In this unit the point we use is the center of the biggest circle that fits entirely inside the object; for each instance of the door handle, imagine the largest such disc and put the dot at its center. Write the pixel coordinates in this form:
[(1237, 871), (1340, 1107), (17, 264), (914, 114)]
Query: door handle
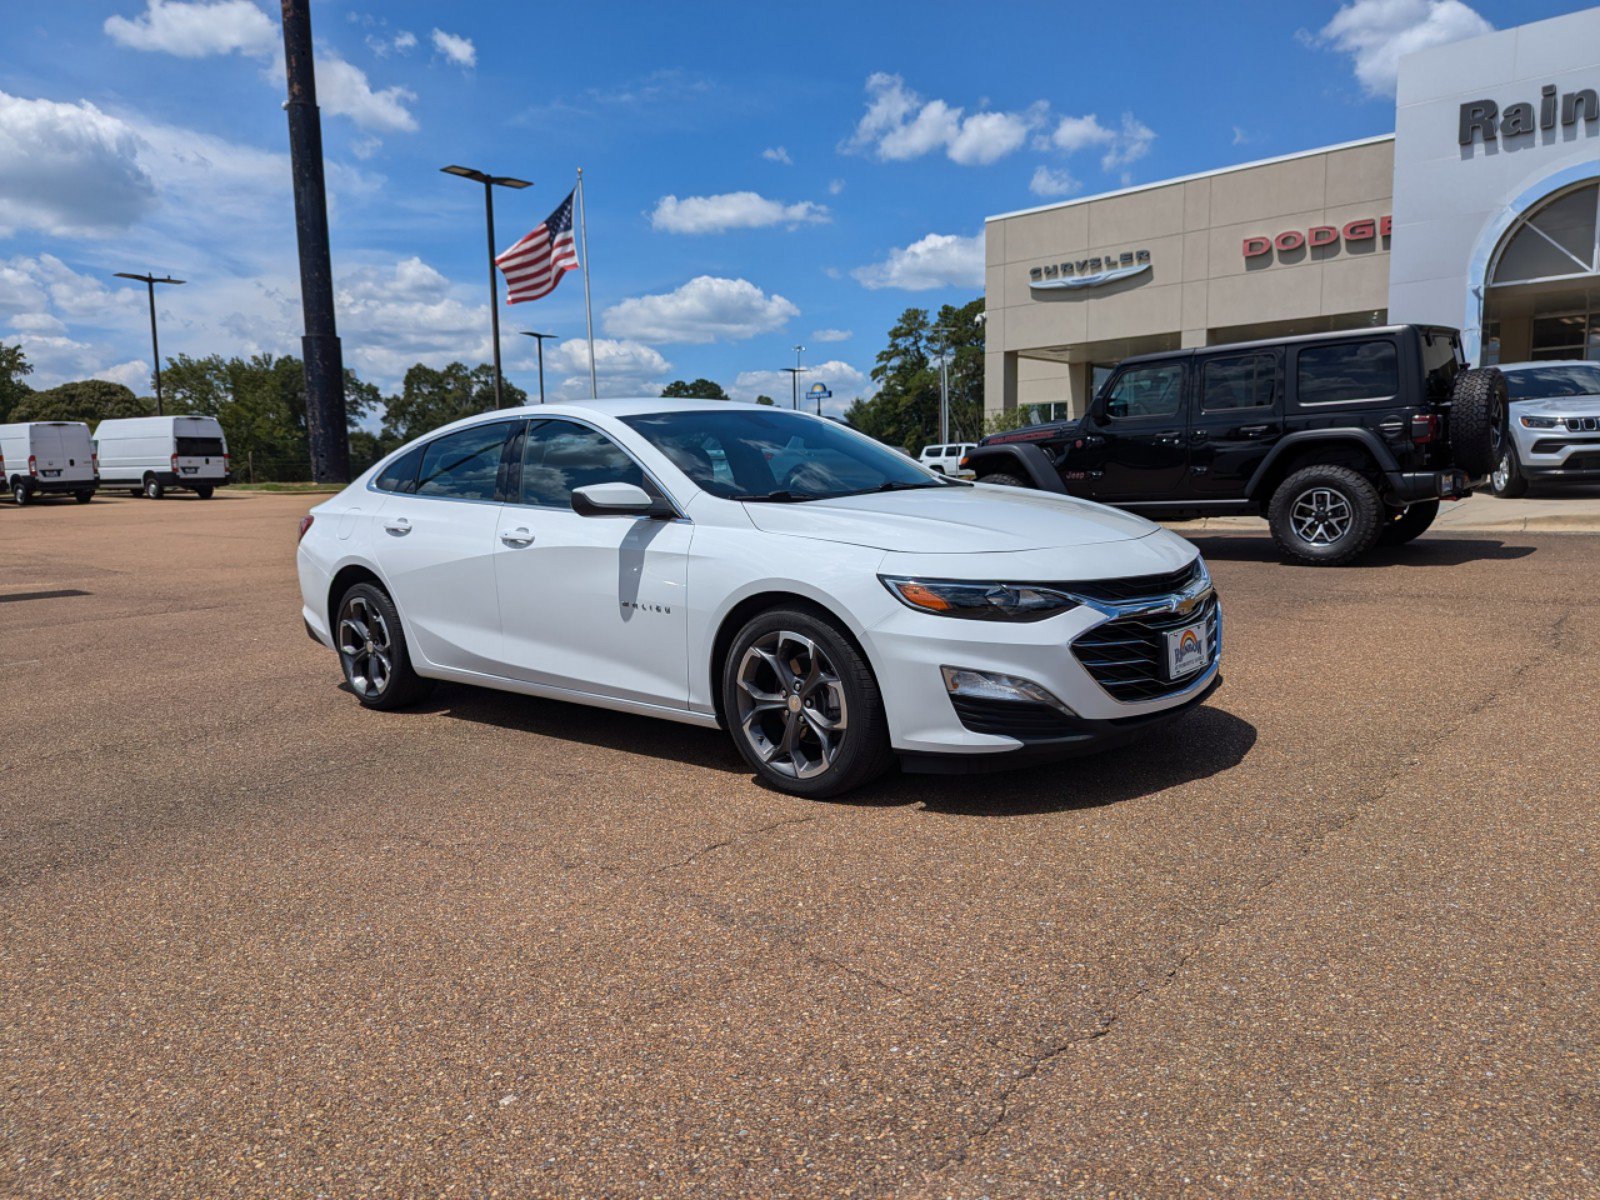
[(1094, 439), (517, 537), (399, 525), (1253, 430), (1169, 437)]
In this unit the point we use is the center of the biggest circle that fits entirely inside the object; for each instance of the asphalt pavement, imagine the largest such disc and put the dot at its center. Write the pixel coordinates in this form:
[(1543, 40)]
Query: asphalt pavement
[(1335, 934)]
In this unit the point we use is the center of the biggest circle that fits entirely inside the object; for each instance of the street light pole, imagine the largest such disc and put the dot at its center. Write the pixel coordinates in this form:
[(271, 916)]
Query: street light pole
[(794, 375), (539, 340), (150, 282), (490, 182)]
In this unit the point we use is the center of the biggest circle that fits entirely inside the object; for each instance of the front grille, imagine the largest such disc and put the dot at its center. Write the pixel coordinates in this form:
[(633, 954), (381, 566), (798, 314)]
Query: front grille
[(1582, 462), (1133, 587), (1556, 445), (1128, 656), (1020, 719), (1583, 424)]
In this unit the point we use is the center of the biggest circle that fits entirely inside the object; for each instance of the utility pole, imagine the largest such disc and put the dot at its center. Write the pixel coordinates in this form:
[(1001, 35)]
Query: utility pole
[(490, 182), (150, 282), (539, 340), (324, 358)]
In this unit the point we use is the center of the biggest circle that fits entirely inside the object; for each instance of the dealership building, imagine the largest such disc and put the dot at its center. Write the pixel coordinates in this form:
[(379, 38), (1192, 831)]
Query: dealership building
[(1481, 211)]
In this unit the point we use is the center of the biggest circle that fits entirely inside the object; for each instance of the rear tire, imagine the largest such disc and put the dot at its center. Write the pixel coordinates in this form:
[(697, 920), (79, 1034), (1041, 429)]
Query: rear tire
[(1325, 516), (802, 705), (1507, 480), (372, 650), (21, 493), (204, 493), (83, 497), (1479, 408), (1408, 523), (1002, 479), (153, 488)]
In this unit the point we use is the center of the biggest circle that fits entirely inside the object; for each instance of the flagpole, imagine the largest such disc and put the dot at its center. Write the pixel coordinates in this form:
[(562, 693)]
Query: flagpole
[(588, 313)]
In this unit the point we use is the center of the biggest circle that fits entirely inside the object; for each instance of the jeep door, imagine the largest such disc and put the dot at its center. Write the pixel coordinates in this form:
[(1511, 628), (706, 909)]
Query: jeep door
[(590, 604), (1135, 442), (1236, 419)]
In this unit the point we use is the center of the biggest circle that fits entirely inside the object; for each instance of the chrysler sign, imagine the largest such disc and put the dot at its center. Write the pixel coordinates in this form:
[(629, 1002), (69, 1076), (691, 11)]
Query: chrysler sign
[(1089, 272)]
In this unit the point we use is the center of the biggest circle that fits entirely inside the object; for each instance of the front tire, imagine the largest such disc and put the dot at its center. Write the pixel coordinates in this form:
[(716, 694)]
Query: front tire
[(21, 492), (153, 488), (1326, 516), (372, 650), (802, 705), (1507, 480), (1408, 523), (1002, 479)]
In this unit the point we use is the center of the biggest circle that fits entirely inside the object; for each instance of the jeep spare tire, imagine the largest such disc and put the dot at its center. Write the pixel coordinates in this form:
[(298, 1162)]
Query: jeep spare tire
[(1479, 407)]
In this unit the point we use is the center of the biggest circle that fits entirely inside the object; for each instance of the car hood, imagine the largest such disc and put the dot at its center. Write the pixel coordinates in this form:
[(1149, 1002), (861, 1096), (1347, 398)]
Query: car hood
[(1560, 406), (953, 520)]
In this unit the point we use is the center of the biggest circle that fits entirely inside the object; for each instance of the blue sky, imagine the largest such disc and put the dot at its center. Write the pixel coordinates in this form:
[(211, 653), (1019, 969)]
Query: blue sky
[(758, 175)]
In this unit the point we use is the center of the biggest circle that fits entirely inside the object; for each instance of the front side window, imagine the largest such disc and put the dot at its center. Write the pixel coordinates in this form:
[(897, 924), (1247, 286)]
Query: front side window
[(560, 456), (1154, 391), (1347, 372), (1239, 381), (777, 456), (464, 465)]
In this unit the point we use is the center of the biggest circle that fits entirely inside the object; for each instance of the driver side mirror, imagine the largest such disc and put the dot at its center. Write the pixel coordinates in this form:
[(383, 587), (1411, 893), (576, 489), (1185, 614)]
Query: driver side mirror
[(619, 500)]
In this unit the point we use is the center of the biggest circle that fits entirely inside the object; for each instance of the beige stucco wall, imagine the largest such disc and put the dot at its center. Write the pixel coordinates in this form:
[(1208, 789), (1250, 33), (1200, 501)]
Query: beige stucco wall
[(1199, 278)]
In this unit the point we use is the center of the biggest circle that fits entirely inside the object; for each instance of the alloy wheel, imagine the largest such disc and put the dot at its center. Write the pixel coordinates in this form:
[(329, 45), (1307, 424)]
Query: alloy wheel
[(1502, 472), (1321, 516), (792, 707), (365, 646)]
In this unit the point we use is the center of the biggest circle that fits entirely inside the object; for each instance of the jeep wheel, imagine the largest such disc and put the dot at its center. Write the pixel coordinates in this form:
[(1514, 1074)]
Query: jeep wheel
[(1001, 479), (1326, 516), (1507, 480), (1479, 405), (1408, 523)]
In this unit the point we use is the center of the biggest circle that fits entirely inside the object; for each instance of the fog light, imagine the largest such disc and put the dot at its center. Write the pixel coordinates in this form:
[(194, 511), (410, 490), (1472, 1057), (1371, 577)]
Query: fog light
[(990, 685)]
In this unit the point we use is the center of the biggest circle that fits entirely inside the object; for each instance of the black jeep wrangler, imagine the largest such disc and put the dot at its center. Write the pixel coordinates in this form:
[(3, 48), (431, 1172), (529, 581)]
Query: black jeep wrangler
[(1342, 440)]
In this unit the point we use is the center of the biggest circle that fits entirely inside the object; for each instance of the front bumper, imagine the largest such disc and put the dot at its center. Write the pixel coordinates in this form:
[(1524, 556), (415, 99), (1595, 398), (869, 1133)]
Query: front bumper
[(1557, 453)]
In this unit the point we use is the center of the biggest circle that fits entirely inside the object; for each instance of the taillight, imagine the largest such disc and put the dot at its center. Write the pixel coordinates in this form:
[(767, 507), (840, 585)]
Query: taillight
[(94, 461), (305, 524), (1424, 427), (33, 465), (174, 464), (226, 460), (963, 462)]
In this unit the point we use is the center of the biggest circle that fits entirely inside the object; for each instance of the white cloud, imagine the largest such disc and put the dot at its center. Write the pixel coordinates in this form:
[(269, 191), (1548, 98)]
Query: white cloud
[(622, 368), (403, 42), (1132, 143), (706, 309), (1048, 181), (1377, 33), (899, 125), (344, 90), (71, 169), (457, 50), (842, 379), (732, 210), (196, 30), (1124, 145), (38, 322), (835, 186), (393, 316), (938, 260), (1078, 133), (1241, 136), (777, 154), (831, 335)]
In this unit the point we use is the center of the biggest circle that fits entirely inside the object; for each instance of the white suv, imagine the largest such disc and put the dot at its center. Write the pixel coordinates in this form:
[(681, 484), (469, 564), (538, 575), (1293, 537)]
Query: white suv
[(1555, 425), (945, 459), (828, 601)]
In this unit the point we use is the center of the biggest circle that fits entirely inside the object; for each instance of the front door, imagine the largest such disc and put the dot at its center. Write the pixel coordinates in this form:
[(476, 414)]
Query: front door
[(1135, 441), (592, 604), (1235, 421), (437, 542)]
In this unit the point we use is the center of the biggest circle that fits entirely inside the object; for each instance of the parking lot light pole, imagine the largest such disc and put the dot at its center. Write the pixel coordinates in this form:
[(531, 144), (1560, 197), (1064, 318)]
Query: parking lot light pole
[(794, 373), (539, 340), (150, 282), (490, 182)]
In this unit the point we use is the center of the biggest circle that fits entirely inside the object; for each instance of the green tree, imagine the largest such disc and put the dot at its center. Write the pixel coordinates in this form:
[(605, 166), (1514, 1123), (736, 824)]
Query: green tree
[(14, 365), (905, 410), (767, 400), (699, 389), (89, 400), (430, 398)]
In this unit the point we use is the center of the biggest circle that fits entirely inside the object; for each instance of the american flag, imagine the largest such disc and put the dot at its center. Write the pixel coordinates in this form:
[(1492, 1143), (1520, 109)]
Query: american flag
[(536, 264)]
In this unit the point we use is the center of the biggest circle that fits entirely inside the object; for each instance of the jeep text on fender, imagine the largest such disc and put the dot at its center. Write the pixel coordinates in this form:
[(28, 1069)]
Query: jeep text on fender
[(1363, 230)]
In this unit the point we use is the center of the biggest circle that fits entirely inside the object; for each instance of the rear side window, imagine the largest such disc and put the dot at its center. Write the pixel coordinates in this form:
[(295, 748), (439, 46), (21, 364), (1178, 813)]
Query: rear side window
[(1347, 372), (1239, 381), (401, 474), (464, 465), (200, 447)]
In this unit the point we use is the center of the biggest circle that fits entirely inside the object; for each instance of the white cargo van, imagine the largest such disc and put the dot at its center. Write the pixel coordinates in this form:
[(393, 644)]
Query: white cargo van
[(48, 458), (153, 455)]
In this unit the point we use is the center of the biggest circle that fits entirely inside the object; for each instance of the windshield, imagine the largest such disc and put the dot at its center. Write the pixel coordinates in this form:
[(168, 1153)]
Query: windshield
[(776, 456), (1544, 383)]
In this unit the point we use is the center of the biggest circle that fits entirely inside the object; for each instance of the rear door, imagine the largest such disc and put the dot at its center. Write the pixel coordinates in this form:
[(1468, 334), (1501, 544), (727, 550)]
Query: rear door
[(1235, 420), (199, 451), (63, 452), (1135, 444)]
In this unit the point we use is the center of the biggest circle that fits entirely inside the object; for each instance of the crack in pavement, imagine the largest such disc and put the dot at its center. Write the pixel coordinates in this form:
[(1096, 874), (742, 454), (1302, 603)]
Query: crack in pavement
[(1409, 760)]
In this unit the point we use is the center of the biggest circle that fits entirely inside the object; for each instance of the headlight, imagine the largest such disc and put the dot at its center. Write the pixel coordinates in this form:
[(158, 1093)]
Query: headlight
[(1538, 422), (978, 601)]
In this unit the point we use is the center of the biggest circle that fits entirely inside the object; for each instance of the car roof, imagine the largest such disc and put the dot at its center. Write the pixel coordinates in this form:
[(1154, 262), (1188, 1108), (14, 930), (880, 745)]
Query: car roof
[(636, 406), (1332, 335)]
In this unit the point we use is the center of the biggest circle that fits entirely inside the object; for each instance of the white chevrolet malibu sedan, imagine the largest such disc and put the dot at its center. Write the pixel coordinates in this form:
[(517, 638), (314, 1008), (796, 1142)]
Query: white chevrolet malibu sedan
[(831, 603)]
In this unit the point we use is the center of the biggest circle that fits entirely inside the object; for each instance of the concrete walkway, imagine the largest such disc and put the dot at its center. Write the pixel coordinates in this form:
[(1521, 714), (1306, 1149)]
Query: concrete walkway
[(1573, 510)]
